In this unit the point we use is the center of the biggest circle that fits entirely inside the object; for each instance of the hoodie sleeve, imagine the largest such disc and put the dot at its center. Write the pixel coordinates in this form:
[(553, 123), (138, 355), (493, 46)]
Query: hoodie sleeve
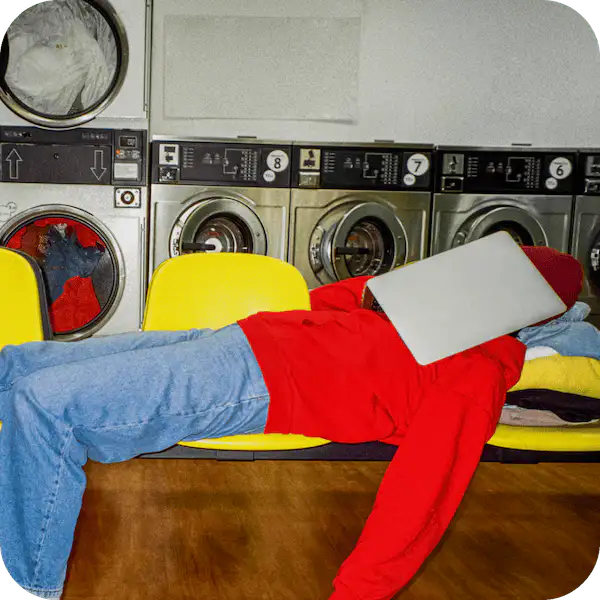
[(345, 295), (430, 472)]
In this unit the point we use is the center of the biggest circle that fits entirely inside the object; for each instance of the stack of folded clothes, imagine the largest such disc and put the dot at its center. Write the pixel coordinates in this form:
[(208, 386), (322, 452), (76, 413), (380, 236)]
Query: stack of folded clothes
[(560, 383)]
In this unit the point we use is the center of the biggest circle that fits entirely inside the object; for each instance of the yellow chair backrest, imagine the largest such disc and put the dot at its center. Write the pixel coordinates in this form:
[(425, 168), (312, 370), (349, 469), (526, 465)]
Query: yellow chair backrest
[(23, 308), (214, 290)]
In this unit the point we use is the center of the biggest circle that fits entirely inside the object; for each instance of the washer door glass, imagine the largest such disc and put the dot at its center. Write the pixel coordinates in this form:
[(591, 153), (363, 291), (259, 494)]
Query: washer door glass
[(521, 225), (62, 62), (218, 225), (357, 239), (80, 267)]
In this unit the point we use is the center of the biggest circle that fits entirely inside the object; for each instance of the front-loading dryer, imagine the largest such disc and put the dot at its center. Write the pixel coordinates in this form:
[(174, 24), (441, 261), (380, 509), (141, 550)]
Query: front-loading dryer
[(219, 196), (585, 245), (76, 201), (526, 192), (358, 209), (66, 62)]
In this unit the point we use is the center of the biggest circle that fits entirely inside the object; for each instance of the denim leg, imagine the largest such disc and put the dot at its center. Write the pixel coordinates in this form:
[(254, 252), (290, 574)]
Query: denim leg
[(110, 408), (20, 361)]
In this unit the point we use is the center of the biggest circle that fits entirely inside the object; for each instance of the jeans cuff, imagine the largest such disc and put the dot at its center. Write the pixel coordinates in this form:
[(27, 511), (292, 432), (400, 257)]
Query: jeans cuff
[(48, 594)]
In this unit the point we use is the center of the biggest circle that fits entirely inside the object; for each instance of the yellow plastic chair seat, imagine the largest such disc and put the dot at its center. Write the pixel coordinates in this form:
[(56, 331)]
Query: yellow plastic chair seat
[(214, 290)]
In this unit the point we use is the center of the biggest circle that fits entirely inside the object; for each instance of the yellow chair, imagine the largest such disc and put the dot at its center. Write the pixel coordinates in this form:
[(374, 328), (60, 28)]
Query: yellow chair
[(214, 290), (23, 308)]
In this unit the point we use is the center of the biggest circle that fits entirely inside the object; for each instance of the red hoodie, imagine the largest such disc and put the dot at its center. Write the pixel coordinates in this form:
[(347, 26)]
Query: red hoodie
[(342, 373)]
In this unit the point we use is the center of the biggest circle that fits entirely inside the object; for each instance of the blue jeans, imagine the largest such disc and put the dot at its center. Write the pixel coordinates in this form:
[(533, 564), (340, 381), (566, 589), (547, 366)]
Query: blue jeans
[(107, 399)]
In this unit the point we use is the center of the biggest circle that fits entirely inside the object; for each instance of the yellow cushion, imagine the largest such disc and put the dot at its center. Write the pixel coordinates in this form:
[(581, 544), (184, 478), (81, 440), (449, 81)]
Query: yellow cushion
[(215, 290), (572, 374)]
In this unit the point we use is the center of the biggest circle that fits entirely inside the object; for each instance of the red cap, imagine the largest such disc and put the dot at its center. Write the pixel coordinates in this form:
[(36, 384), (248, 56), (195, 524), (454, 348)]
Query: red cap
[(562, 271)]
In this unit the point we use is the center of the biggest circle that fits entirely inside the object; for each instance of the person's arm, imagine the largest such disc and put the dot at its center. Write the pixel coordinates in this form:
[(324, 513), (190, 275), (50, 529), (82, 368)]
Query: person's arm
[(345, 295), (428, 476)]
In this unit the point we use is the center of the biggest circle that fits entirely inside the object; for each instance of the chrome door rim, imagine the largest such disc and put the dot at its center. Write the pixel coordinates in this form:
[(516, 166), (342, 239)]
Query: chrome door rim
[(204, 208), (476, 227), (70, 212), (49, 122)]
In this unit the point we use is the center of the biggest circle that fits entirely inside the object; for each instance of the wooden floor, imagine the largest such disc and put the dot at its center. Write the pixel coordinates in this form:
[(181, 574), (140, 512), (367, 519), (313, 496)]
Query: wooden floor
[(202, 530)]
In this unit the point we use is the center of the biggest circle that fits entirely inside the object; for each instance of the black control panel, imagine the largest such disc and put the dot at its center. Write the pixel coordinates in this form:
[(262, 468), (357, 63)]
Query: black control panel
[(363, 167), (588, 175), (76, 156), (221, 163), (462, 170)]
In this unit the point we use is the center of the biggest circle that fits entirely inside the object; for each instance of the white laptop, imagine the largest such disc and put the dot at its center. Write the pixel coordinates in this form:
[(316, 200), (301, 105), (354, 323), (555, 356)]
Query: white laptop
[(464, 297)]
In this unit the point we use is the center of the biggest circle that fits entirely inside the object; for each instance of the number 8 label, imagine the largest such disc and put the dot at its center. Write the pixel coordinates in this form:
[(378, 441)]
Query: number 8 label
[(561, 168), (418, 164), (278, 161)]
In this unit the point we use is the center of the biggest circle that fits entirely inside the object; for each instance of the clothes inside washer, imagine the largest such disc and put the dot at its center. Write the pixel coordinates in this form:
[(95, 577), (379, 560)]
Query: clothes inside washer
[(62, 57), (569, 407), (68, 252)]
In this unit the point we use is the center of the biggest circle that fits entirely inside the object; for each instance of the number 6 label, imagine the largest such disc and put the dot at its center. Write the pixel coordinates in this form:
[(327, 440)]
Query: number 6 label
[(418, 164), (561, 168)]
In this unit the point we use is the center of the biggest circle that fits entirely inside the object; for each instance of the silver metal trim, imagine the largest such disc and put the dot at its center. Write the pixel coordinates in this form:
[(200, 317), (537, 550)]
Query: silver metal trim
[(91, 221), (228, 140), (71, 122), (206, 208), (402, 145), (526, 149)]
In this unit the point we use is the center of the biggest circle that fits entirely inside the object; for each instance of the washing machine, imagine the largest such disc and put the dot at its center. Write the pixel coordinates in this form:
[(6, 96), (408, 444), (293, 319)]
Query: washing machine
[(585, 244), (219, 196), (358, 209), (76, 201), (524, 191), (64, 63)]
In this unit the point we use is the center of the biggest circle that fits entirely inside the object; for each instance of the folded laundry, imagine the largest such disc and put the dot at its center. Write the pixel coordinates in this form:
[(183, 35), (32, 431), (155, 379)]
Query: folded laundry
[(534, 352), (568, 407), (569, 334), (528, 417)]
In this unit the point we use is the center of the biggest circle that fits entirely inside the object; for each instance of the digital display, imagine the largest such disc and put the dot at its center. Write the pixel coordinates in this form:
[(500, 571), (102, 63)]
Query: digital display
[(128, 141)]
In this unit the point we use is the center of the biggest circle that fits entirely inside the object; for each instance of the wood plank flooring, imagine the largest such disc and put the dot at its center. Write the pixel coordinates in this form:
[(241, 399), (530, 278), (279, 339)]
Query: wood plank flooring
[(206, 530)]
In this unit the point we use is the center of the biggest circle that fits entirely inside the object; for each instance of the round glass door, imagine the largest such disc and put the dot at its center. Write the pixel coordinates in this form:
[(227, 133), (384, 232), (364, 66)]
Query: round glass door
[(357, 239), (521, 225), (218, 225), (63, 61), (80, 263)]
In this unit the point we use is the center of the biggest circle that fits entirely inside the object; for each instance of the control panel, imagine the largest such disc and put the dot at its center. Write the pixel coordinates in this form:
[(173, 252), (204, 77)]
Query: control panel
[(221, 163), (588, 180), (490, 171), (363, 167), (76, 156)]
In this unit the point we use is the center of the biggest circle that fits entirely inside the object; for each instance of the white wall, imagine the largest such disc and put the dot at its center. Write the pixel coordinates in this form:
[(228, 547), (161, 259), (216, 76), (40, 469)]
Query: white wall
[(444, 71)]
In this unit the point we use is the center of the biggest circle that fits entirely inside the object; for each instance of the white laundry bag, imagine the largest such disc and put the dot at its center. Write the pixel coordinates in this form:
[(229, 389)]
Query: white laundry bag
[(62, 57)]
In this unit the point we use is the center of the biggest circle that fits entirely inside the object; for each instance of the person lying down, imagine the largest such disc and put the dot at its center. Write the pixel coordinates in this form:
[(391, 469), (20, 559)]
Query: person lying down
[(339, 372)]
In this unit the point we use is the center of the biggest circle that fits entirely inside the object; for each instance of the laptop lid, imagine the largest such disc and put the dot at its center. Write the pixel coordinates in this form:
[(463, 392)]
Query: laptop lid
[(464, 297)]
